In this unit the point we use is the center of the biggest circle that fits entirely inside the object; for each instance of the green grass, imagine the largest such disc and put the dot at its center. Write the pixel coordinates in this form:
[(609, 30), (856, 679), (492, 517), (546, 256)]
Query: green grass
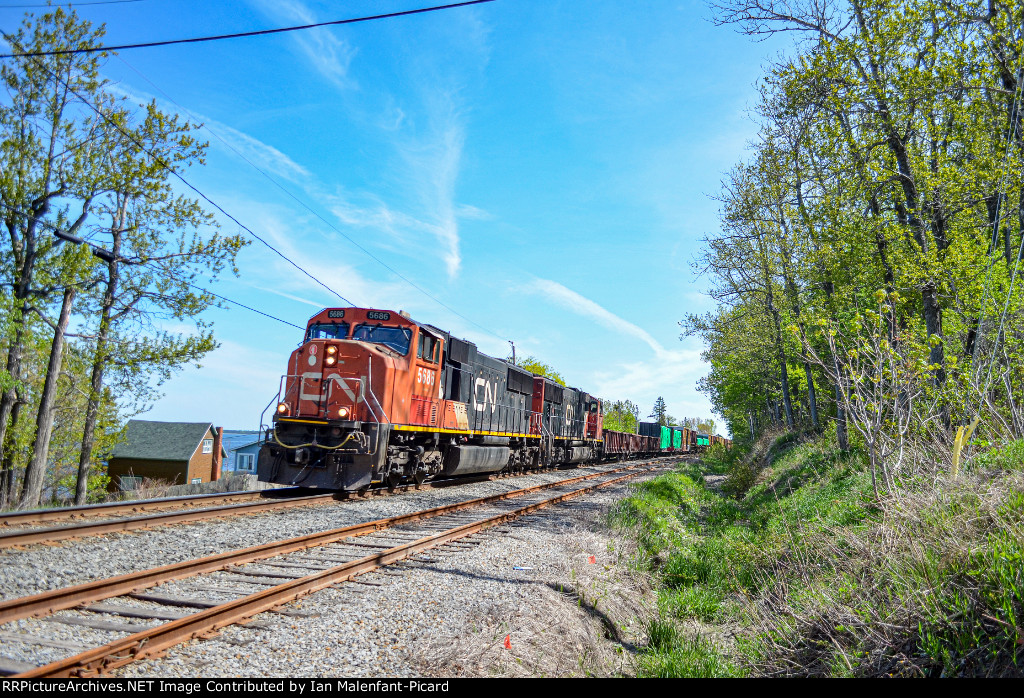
[(686, 658), (817, 577)]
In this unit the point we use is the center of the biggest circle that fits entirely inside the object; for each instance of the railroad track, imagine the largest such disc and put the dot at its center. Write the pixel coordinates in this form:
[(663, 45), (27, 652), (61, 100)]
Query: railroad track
[(138, 506), (282, 571), (229, 504)]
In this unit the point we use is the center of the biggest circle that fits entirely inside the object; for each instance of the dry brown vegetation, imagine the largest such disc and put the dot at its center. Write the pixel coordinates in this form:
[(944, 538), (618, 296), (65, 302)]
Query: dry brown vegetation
[(807, 573)]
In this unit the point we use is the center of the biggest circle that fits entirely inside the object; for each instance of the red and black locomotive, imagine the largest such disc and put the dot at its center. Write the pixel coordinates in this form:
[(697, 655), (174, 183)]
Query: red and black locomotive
[(372, 396)]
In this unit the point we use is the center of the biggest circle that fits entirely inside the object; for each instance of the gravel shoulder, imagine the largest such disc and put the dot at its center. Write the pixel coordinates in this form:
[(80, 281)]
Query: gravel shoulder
[(41, 567), (448, 612), (445, 613)]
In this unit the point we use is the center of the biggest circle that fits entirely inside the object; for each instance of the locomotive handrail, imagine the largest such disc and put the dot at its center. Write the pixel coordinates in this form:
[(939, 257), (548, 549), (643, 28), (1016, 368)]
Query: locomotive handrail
[(273, 400), (326, 386)]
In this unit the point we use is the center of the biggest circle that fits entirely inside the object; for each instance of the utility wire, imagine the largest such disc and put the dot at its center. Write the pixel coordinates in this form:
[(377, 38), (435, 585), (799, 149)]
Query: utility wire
[(239, 35), (76, 4), (241, 305), (306, 206), (181, 178), (149, 263)]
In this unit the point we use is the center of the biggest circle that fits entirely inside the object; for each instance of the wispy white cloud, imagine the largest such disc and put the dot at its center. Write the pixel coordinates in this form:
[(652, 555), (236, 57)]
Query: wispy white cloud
[(426, 129), (433, 170), (569, 299), (331, 56), (668, 372), (426, 222), (436, 169), (262, 155), (289, 296), (334, 264)]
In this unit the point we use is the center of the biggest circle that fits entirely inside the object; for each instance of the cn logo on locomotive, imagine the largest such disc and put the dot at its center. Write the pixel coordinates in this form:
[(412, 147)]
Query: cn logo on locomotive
[(490, 394)]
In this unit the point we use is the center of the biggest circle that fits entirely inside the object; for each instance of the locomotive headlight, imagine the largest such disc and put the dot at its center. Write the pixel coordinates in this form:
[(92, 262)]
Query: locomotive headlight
[(330, 360), (331, 349), (282, 408), (342, 412)]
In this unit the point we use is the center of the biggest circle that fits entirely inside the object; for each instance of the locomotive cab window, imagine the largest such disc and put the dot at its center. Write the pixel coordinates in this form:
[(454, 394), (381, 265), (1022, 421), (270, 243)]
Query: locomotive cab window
[(327, 330), (427, 348), (394, 338)]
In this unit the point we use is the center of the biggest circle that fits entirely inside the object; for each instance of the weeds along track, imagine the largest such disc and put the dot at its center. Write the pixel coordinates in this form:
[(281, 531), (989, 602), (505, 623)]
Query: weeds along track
[(211, 506), (279, 571)]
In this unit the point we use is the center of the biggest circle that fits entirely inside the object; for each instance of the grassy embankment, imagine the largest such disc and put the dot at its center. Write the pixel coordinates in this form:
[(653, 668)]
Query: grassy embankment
[(787, 565)]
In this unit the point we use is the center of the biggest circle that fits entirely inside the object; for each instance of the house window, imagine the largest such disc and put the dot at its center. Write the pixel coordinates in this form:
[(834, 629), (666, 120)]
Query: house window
[(129, 483), (196, 480), (245, 461), (207, 445)]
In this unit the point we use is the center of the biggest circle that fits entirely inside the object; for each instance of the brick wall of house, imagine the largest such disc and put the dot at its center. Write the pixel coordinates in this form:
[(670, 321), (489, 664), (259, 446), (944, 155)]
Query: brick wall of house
[(201, 464)]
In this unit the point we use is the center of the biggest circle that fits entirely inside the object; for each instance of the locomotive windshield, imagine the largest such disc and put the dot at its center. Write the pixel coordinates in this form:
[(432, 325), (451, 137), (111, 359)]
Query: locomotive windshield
[(327, 330), (395, 338)]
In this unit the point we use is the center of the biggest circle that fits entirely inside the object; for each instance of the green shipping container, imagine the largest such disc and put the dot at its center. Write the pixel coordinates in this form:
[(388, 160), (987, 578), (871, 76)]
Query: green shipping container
[(666, 438), (677, 438), (702, 439)]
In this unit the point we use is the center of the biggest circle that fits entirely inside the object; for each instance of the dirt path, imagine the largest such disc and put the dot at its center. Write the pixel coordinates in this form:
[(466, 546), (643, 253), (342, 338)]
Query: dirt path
[(714, 482)]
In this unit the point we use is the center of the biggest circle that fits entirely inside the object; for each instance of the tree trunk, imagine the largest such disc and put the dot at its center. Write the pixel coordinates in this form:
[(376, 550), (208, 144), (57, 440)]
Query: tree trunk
[(783, 369), (841, 434), (812, 400), (10, 396), (99, 365), (91, 413), (933, 324), (33, 486), (8, 475)]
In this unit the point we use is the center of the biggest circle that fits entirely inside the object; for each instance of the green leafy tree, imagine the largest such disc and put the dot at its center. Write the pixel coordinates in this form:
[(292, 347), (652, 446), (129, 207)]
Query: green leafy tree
[(890, 158), (113, 168), (620, 415), (159, 242), (539, 368), (49, 169)]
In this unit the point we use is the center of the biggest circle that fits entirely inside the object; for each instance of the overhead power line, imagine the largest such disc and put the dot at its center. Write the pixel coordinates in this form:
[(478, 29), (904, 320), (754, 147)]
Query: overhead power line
[(309, 208), (107, 255), (76, 4), (160, 161), (241, 35), (181, 178)]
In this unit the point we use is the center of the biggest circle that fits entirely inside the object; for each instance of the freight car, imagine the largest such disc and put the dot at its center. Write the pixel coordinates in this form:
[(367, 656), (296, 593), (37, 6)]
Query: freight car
[(372, 396)]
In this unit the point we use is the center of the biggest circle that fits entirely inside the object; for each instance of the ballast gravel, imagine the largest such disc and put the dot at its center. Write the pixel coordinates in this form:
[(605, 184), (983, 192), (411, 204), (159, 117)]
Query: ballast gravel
[(42, 567), (555, 584)]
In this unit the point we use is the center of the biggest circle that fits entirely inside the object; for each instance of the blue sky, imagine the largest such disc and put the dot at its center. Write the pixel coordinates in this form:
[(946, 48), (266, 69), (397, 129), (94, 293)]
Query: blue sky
[(543, 168)]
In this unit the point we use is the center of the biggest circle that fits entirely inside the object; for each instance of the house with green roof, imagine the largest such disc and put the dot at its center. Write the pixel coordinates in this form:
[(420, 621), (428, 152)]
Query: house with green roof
[(177, 453)]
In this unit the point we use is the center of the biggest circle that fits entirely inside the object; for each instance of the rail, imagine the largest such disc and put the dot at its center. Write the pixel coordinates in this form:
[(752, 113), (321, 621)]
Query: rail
[(155, 640)]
